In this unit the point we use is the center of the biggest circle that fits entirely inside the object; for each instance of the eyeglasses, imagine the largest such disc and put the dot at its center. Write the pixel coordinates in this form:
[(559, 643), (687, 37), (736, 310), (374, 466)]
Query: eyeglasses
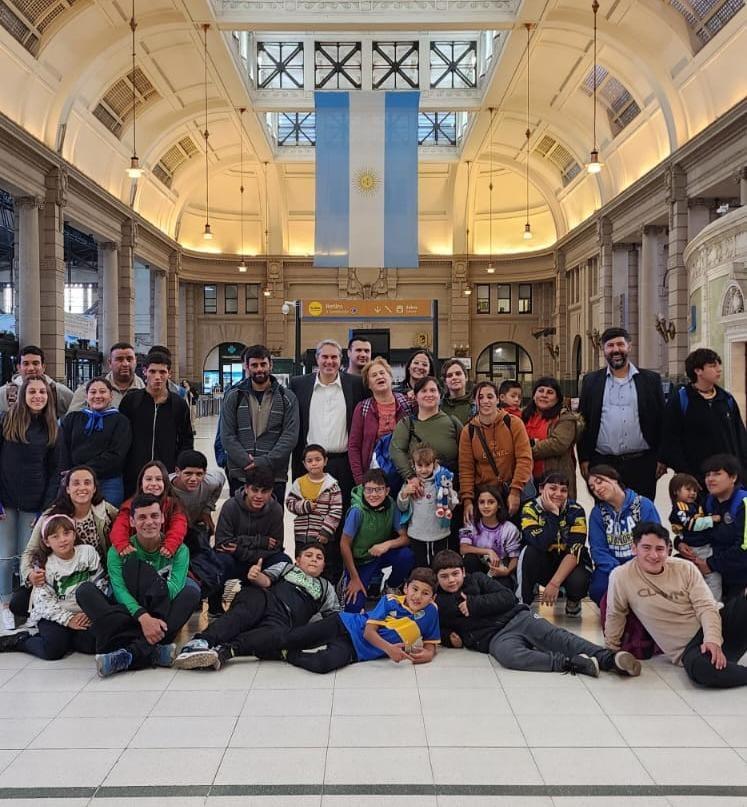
[(369, 489)]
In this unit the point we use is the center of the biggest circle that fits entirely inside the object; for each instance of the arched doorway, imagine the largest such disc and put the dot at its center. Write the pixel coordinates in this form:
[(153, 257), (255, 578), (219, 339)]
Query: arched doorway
[(223, 366), (502, 361)]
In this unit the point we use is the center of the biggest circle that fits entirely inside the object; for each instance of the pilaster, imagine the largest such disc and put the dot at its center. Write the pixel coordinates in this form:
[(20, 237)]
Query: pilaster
[(633, 298), (275, 321), (604, 235), (460, 309), (676, 179), (173, 312), (108, 294), (26, 269), (127, 281), (561, 315), (52, 271)]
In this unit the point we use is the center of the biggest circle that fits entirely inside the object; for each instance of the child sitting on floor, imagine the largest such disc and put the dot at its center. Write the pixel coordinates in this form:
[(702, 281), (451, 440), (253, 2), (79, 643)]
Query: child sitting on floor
[(405, 628)]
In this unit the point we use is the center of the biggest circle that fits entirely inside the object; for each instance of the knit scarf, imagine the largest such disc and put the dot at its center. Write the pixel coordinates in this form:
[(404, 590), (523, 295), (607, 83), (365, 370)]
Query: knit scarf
[(95, 419)]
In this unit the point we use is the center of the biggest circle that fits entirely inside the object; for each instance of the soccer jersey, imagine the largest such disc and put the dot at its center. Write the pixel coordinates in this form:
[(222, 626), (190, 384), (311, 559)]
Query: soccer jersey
[(397, 623)]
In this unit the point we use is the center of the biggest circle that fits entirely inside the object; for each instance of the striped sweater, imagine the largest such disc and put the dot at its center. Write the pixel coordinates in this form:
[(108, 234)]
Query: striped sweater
[(309, 525), (55, 600)]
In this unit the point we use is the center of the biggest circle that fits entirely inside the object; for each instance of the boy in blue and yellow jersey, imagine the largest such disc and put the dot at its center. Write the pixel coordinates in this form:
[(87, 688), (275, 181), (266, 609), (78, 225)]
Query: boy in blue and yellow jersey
[(553, 531), (404, 628)]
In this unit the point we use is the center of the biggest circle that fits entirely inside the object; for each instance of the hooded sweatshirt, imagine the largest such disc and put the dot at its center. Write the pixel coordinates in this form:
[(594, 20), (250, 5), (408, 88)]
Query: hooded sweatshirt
[(461, 407), (250, 530), (611, 533), (423, 524), (729, 537), (322, 521)]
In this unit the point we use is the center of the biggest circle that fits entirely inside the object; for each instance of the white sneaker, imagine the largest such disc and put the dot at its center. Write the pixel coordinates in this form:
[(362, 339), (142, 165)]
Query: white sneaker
[(8, 619)]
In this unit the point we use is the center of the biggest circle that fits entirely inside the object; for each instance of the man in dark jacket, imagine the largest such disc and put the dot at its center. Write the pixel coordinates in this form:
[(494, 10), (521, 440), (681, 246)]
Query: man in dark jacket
[(623, 409), (481, 614), (160, 421), (250, 527), (702, 419), (258, 422)]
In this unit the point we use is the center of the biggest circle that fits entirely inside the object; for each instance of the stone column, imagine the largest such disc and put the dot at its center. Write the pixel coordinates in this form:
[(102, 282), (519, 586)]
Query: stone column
[(561, 316), (633, 298), (173, 312), (27, 270), (459, 314), (186, 369), (109, 294), (52, 272), (190, 333), (158, 330), (698, 215), (604, 234), (676, 272), (127, 281), (648, 285)]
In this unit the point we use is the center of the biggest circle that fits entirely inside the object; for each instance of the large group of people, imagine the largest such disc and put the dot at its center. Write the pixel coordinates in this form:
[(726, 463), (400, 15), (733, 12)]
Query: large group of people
[(434, 511)]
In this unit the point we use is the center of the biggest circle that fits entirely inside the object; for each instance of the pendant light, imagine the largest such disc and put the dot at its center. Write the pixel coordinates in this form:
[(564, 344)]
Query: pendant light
[(594, 166), (490, 269), (207, 233), (134, 171), (267, 291), (527, 225), (242, 266)]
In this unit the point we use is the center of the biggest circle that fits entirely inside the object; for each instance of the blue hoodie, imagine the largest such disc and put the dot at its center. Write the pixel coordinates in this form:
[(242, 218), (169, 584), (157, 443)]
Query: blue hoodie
[(729, 538), (611, 533)]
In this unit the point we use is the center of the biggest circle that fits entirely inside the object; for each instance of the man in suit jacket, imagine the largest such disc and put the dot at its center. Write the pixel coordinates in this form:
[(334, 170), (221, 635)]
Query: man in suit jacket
[(326, 400), (623, 409)]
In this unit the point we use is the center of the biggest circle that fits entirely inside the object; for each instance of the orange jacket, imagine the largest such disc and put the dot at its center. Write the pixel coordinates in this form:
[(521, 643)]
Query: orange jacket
[(509, 445)]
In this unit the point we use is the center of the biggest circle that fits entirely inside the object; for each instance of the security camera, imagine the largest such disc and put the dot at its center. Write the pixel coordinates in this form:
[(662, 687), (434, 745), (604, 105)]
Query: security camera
[(285, 308)]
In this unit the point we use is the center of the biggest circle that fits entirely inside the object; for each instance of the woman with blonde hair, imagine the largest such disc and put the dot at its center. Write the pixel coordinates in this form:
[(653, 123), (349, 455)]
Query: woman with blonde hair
[(29, 476)]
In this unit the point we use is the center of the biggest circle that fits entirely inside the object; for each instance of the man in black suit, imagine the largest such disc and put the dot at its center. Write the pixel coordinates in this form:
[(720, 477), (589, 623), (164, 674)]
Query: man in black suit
[(623, 409), (326, 400)]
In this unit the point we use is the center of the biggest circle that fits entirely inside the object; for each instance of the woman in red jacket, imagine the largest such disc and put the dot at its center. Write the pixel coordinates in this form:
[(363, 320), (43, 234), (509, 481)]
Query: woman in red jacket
[(374, 418), (154, 480)]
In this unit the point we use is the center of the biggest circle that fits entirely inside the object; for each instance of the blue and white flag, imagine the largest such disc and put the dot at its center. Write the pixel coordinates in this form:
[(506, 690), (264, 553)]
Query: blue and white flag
[(366, 179)]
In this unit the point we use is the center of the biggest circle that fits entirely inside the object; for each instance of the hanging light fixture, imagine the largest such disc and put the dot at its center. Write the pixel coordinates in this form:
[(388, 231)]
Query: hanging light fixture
[(594, 166), (490, 269), (242, 266), (466, 207), (207, 233), (528, 226), (134, 171)]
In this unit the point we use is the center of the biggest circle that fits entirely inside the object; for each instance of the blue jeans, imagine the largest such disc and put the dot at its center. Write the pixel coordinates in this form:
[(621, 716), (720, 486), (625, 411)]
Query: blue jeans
[(401, 560), (112, 490), (15, 531)]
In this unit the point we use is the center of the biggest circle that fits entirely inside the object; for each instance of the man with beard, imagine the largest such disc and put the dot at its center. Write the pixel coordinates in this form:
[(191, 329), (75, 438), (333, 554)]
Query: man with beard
[(121, 376), (258, 423), (623, 409)]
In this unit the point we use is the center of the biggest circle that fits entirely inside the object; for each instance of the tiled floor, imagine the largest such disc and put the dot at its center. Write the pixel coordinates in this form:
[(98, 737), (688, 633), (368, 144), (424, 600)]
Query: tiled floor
[(461, 731)]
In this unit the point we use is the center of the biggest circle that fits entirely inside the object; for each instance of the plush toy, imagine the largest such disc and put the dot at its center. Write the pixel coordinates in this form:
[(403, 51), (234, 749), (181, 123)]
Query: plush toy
[(446, 496)]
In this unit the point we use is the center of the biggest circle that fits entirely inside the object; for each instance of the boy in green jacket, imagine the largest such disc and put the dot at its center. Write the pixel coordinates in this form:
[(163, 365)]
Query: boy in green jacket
[(152, 598)]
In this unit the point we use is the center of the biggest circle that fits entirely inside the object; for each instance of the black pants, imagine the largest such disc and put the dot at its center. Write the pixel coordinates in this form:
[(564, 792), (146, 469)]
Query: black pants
[(537, 567), (113, 625), (734, 629), (20, 601), (637, 472), (54, 641), (255, 625), (424, 551), (330, 631)]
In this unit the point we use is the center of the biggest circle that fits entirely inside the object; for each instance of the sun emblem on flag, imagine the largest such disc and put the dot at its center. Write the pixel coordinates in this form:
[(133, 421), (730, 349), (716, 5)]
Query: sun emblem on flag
[(367, 181)]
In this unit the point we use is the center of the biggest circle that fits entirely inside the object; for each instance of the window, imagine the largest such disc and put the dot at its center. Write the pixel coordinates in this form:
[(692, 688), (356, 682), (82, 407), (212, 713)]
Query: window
[(252, 298), (525, 298), (280, 65), (707, 17), (210, 299), (6, 298), (503, 361), (593, 276), (454, 65), (337, 65), (296, 128), (437, 129), (620, 104), (504, 298), (231, 299), (483, 299), (395, 65), (78, 297)]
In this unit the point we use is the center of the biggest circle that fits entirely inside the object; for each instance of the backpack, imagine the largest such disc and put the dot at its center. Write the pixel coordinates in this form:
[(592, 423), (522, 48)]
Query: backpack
[(685, 400), (204, 565), (381, 459)]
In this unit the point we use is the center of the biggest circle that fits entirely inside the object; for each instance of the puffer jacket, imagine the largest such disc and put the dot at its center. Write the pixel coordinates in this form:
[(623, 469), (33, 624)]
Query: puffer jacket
[(556, 452), (29, 472)]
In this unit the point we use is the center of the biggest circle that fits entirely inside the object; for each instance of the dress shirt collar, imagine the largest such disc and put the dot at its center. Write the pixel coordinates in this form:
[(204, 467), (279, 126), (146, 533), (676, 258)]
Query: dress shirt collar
[(336, 382), (632, 370)]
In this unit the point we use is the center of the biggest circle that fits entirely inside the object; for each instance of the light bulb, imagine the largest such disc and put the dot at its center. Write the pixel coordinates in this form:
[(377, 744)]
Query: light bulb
[(242, 266), (594, 166), (490, 269), (134, 171), (527, 232), (267, 292), (207, 233), (468, 291)]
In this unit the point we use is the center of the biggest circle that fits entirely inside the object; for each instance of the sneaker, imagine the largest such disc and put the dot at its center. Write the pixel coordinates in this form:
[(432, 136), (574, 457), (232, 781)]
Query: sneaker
[(11, 642), (196, 655), (109, 663), (163, 655), (8, 619), (627, 664), (581, 664), (573, 608), (230, 590)]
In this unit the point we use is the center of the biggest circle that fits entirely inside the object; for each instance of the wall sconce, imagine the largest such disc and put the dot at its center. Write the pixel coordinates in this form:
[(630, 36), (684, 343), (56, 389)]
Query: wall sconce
[(460, 351), (553, 350), (596, 339), (665, 328)]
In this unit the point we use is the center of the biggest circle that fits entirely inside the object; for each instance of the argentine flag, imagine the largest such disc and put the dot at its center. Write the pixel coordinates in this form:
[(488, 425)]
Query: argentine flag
[(366, 179)]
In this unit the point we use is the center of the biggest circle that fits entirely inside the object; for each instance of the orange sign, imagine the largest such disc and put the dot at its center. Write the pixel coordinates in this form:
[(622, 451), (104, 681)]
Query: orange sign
[(367, 309)]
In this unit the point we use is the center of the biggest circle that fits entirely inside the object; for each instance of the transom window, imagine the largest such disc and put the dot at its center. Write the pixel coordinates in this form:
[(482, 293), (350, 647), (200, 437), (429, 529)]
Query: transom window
[(280, 65), (396, 65), (454, 64), (437, 128), (210, 299), (620, 105), (707, 17), (296, 129), (337, 65)]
